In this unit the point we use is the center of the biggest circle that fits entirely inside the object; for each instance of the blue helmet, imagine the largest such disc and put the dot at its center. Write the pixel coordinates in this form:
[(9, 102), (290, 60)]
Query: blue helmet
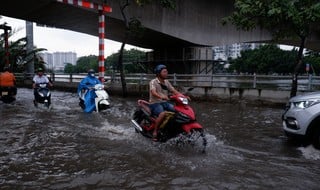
[(159, 68)]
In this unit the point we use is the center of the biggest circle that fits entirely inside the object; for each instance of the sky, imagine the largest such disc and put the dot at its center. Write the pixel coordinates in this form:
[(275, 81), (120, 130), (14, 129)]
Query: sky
[(60, 40)]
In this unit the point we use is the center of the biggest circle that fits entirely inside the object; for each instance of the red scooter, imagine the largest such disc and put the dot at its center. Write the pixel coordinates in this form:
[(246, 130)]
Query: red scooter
[(182, 121)]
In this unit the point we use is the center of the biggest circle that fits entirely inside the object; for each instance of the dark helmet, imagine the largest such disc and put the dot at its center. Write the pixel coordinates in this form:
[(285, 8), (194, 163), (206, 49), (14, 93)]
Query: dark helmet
[(6, 68), (159, 68), (91, 72), (39, 69)]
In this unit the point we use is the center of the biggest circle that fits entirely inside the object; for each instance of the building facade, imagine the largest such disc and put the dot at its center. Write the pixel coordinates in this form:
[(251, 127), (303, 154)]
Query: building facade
[(223, 53), (56, 61)]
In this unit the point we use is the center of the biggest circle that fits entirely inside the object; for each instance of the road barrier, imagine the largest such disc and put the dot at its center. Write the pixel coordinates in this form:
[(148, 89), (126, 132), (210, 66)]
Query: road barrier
[(305, 82), (258, 87)]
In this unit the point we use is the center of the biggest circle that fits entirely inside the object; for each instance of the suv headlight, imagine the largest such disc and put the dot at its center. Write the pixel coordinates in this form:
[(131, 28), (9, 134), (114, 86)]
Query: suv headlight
[(304, 104)]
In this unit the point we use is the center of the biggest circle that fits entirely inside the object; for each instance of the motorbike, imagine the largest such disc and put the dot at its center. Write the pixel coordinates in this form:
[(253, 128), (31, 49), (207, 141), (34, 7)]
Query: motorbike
[(181, 122), (7, 94), (42, 95), (101, 99)]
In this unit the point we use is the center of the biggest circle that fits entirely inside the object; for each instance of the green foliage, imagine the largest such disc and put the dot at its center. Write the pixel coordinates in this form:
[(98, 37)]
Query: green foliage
[(83, 65), (270, 59), (87, 62), (18, 55), (171, 4), (135, 28), (130, 59), (38, 62), (284, 18), (267, 59), (69, 68)]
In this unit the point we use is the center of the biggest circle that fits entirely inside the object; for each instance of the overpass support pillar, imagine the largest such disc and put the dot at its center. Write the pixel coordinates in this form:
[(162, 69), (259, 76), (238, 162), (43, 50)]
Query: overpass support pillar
[(6, 43), (29, 34)]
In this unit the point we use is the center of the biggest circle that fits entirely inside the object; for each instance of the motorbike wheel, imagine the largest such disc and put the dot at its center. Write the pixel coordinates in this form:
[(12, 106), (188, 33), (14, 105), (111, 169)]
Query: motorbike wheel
[(316, 139), (7, 99), (143, 121), (103, 107), (35, 103), (138, 116), (81, 104)]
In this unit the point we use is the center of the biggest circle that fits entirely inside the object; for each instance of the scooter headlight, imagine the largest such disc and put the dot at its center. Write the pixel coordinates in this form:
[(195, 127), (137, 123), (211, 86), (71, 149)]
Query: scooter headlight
[(184, 100), (304, 104), (43, 85), (99, 87)]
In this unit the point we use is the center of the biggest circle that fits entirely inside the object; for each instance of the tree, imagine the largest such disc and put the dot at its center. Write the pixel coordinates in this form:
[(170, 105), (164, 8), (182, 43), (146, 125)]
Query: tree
[(131, 57), (134, 28), (120, 58), (85, 63), (266, 59), (285, 19), (18, 56), (69, 68)]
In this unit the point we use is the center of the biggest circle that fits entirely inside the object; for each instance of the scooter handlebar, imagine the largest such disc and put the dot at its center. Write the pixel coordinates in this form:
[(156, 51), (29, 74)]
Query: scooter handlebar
[(172, 97)]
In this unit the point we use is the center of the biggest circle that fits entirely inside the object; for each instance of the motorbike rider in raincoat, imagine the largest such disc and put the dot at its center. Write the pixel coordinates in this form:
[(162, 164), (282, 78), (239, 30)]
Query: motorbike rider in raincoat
[(87, 84)]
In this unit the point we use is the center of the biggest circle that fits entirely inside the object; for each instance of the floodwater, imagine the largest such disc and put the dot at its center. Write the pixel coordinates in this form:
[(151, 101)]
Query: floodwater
[(64, 148)]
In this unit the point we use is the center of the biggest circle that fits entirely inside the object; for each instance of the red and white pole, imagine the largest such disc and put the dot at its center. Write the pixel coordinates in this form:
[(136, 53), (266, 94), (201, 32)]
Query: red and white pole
[(101, 45), (101, 10), (87, 5)]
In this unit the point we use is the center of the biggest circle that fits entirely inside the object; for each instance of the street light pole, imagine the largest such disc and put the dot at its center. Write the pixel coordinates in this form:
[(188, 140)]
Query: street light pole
[(29, 34), (6, 42)]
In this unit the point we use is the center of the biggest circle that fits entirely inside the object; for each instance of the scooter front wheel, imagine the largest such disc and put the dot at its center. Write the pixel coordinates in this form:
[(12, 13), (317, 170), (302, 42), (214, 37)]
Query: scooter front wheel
[(46, 104)]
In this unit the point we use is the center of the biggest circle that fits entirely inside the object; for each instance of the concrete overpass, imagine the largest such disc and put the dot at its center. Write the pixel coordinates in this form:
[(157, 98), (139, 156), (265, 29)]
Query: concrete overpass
[(193, 23)]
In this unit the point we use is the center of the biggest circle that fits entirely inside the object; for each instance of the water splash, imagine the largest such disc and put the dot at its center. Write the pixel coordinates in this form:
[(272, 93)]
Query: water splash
[(310, 152)]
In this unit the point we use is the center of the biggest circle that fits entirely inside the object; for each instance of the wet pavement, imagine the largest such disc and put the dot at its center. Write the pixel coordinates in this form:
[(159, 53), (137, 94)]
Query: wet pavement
[(64, 148)]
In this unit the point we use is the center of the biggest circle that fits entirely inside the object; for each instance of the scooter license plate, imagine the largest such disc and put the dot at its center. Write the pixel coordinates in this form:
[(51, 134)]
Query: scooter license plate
[(4, 93)]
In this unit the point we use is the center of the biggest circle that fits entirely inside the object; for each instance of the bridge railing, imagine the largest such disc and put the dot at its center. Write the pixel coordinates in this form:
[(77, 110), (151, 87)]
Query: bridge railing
[(305, 82)]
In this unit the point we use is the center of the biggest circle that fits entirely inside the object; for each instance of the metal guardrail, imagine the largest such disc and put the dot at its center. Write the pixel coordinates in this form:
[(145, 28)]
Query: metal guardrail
[(305, 83)]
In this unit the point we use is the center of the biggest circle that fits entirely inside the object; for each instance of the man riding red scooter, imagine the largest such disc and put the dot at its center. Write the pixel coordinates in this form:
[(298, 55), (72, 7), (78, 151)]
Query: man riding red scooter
[(175, 115), (160, 88)]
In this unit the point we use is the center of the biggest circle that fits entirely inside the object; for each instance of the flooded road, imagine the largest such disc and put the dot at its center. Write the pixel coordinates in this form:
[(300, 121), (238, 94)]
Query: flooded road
[(65, 148)]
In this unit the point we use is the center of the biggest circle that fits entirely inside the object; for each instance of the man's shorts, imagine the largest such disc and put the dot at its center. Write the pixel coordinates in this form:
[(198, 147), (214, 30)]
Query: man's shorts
[(157, 108)]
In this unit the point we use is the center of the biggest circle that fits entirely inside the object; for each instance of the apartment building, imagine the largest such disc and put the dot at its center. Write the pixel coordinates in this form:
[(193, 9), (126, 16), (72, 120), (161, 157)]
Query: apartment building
[(232, 51), (56, 61)]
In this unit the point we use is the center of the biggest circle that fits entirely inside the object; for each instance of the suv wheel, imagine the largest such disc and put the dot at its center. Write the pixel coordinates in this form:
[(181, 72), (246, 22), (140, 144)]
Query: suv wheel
[(316, 138)]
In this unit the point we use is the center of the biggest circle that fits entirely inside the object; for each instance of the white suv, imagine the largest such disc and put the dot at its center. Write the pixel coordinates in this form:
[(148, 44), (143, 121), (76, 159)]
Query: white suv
[(302, 118)]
